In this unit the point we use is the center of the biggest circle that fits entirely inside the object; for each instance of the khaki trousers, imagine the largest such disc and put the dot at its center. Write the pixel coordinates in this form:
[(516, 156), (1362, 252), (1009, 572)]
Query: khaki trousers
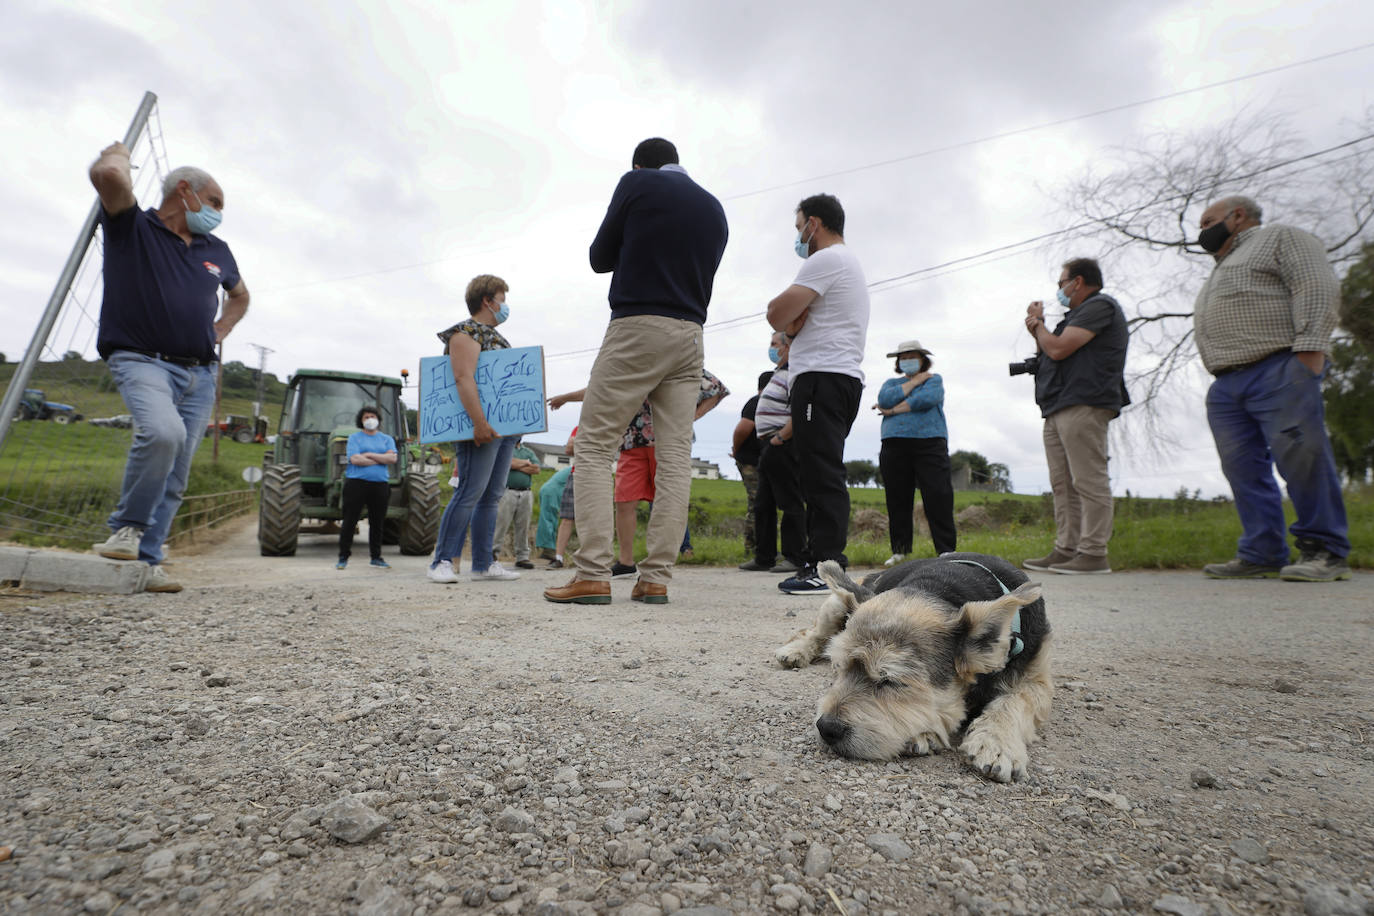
[(642, 357), (516, 507), (1076, 449)]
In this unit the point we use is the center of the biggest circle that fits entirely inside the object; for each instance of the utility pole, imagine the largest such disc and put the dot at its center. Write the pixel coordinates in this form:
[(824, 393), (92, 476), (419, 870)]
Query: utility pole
[(262, 369)]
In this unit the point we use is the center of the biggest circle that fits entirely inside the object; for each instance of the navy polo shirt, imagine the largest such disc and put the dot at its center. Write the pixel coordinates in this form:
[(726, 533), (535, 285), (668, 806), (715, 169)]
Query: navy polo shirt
[(161, 294)]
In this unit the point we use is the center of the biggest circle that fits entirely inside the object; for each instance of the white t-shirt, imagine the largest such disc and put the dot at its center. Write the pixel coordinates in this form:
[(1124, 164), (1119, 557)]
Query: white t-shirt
[(833, 338)]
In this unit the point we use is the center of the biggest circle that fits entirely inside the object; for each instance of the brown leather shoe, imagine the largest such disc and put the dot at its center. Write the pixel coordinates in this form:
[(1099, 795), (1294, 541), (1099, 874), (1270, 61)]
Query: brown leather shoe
[(1053, 558), (649, 593), (1083, 565), (580, 591)]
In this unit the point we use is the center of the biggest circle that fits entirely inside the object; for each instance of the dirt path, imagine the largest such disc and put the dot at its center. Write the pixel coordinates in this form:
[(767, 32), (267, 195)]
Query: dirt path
[(1211, 751)]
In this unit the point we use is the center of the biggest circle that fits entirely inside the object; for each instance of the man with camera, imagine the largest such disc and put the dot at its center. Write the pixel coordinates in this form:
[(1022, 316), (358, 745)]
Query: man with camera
[(1080, 387)]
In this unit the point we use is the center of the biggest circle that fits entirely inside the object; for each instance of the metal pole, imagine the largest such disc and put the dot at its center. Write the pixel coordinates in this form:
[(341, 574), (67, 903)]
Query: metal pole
[(24, 371), (262, 370)]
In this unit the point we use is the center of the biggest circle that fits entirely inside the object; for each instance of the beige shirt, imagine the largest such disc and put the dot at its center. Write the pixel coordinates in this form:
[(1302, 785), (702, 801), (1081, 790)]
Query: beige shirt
[(1274, 290)]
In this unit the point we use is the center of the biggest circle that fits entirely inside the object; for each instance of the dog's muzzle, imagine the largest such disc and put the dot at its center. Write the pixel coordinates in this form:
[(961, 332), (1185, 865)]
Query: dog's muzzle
[(833, 730)]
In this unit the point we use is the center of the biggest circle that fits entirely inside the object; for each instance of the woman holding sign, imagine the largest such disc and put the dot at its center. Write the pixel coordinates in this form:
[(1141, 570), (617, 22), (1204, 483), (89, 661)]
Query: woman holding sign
[(482, 462)]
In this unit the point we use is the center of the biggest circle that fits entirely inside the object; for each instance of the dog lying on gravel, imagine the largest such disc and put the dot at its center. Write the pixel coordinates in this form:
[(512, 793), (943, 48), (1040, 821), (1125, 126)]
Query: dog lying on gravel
[(927, 649)]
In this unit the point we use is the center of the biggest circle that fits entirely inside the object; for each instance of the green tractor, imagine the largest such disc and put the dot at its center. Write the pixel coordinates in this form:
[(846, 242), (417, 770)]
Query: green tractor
[(303, 474)]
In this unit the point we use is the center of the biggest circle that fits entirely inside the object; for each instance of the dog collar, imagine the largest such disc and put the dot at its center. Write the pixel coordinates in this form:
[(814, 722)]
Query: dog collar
[(1016, 643)]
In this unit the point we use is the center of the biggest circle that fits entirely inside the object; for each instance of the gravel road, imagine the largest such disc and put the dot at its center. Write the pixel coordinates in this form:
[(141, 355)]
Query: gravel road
[(284, 737)]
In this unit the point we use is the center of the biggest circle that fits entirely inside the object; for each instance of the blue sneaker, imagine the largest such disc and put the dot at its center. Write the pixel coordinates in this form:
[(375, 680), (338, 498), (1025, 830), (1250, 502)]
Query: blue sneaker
[(342, 564), (805, 582), (380, 563)]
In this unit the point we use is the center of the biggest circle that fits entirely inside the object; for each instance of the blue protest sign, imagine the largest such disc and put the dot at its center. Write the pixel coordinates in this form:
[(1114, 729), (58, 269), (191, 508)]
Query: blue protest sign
[(509, 382)]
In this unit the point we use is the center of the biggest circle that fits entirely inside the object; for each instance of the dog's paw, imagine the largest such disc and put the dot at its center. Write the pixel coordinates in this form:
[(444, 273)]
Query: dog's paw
[(923, 745), (794, 656), (799, 652), (1003, 761)]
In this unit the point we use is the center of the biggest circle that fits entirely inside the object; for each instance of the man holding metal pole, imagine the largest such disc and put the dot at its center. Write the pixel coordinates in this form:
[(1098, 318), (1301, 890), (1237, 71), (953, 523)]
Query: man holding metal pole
[(158, 332)]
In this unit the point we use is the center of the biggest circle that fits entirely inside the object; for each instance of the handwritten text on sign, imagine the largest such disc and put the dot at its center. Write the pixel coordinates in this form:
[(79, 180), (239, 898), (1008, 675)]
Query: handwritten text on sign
[(509, 382)]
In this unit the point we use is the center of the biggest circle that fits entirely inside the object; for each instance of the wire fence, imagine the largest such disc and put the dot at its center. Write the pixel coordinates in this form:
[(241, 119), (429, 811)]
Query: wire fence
[(65, 432)]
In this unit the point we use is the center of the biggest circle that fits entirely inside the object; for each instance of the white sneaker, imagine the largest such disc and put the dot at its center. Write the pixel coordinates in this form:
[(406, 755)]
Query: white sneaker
[(122, 545), (894, 559), (495, 572), (443, 573), (159, 581)]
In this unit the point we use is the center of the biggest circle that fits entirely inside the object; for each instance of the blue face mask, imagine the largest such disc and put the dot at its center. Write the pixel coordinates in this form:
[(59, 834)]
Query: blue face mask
[(501, 314), (1063, 297), (204, 220), (802, 246), (774, 355), (909, 366)]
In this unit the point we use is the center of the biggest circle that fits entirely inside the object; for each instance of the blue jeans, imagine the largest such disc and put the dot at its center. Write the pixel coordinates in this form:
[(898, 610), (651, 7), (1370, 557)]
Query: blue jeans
[(1271, 414), (171, 406), (482, 472)]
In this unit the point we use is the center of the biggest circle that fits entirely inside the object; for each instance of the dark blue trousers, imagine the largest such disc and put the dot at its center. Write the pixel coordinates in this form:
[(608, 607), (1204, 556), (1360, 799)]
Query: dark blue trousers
[(1267, 415)]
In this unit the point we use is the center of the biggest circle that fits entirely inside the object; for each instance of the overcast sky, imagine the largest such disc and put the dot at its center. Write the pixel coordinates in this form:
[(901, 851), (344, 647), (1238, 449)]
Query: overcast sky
[(376, 156)]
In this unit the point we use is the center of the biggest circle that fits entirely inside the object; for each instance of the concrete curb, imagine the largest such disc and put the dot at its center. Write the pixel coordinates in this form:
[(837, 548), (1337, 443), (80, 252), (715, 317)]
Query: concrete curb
[(61, 571)]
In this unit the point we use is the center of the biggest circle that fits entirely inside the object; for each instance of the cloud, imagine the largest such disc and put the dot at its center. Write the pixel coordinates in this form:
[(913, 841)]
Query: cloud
[(376, 156)]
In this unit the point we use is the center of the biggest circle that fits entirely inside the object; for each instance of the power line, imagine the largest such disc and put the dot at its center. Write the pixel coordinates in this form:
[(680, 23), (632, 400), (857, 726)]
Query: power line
[(922, 154), (965, 144), (1012, 248), (1090, 223)]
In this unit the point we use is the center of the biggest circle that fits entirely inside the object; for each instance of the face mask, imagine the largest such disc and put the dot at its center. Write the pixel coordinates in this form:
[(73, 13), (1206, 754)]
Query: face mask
[(774, 355), (204, 220), (1214, 237), (909, 366), (1063, 297), (371, 423), (802, 246), (501, 314)]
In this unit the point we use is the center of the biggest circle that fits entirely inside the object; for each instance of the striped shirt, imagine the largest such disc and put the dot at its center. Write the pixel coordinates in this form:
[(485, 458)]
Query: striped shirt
[(775, 404), (1274, 290)]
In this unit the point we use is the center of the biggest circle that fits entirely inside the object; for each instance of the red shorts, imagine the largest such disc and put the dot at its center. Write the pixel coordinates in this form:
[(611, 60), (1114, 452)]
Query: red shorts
[(634, 475)]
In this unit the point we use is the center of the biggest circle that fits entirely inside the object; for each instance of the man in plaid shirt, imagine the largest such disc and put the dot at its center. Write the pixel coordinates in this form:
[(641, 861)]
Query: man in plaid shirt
[(1263, 323)]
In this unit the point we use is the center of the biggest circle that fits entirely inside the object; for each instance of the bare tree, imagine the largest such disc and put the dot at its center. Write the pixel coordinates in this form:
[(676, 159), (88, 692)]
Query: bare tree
[(1141, 213)]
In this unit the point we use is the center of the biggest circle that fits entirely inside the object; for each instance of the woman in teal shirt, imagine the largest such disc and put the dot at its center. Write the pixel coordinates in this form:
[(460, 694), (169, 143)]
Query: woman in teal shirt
[(915, 451), (370, 456)]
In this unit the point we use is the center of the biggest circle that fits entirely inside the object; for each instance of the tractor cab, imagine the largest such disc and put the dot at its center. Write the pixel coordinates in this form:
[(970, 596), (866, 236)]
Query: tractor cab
[(304, 472), (321, 409)]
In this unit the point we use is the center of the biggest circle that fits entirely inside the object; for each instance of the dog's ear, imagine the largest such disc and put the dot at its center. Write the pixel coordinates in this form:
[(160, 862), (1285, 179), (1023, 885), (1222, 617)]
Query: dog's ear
[(850, 592), (987, 631)]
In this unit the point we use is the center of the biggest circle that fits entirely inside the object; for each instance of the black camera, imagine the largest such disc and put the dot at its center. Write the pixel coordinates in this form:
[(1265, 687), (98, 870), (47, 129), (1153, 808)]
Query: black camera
[(1026, 366)]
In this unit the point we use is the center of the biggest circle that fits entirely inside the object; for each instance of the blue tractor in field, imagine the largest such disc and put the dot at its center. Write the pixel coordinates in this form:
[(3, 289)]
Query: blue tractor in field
[(35, 406)]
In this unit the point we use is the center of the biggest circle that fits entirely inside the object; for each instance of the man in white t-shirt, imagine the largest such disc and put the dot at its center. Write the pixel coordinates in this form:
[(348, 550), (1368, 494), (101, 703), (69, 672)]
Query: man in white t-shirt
[(825, 313)]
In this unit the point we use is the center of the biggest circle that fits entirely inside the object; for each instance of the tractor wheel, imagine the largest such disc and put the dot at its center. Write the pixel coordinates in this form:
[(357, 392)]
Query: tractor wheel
[(243, 436), (279, 510), (420, 529), (391, 531), (61, 419)]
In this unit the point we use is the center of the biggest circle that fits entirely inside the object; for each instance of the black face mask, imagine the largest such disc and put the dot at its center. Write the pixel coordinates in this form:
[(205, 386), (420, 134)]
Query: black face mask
[(1214, 236)]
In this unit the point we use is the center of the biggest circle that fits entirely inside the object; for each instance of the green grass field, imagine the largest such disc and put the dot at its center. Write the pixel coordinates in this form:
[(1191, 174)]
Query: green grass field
[(87, 386), (49, 471), (62, 481), (1150, 533)]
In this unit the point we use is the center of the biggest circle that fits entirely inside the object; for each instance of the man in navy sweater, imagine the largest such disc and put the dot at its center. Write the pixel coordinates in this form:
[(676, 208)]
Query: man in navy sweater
[(662, 239)]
